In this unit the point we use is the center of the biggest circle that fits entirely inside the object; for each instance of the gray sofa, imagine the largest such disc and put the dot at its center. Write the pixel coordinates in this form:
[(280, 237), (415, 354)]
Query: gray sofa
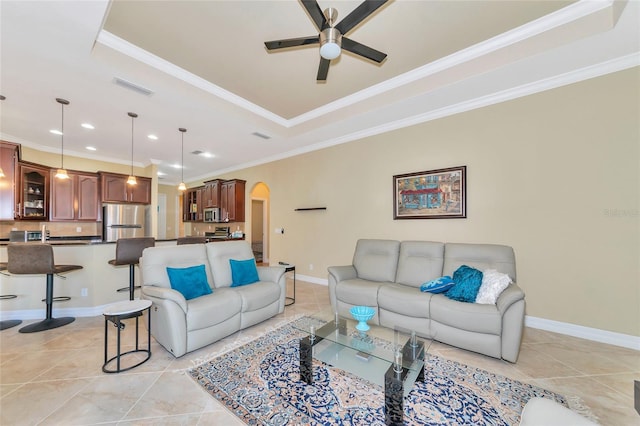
[(387, 275), (182, 325)]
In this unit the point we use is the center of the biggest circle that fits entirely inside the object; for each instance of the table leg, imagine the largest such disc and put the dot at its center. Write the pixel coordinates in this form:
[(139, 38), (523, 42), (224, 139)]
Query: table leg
[(306, 360), (394, 396)]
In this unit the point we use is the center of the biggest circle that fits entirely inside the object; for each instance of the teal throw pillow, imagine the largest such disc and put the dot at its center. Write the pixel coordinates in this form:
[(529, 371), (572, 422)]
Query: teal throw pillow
[(243, 272), (468, 281), (191, 282), (439, 285)]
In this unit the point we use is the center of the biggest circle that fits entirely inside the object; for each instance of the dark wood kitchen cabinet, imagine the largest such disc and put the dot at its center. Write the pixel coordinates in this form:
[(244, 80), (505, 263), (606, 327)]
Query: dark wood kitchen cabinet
[(8, 162), (211, 194), (232, 200), (192, 205), (115, 189), (76, 198), (32, 197)]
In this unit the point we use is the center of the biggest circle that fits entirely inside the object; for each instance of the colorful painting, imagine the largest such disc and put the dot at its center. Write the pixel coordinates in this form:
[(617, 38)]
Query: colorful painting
[(434, 194)]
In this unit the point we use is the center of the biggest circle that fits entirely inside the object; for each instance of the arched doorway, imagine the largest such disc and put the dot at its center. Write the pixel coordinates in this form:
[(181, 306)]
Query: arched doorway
[(260, 222)]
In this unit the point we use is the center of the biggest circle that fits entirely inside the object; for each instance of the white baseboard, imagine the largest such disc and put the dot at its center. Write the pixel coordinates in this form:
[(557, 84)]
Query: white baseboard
[(595, 334), (313, 280)]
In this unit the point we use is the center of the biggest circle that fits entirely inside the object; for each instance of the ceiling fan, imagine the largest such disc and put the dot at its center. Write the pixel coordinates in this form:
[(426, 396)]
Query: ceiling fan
[(332, 37)]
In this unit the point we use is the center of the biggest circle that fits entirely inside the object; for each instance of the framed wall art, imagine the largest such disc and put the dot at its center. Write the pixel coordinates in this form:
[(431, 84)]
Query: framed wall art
[(433, 194)]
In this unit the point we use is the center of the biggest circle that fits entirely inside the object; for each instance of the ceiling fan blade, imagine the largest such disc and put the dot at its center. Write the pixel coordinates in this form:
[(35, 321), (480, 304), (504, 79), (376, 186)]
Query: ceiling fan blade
[(291, 42), (323, 69), (358, 15), (362, 50), (313, 8)]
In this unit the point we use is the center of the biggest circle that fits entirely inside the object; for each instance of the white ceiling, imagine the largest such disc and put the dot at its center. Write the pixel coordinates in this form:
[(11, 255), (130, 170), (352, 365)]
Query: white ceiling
[(209, 72)]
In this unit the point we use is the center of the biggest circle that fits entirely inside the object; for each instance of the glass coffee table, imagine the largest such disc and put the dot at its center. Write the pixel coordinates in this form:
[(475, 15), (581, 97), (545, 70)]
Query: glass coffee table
[(391, 358)]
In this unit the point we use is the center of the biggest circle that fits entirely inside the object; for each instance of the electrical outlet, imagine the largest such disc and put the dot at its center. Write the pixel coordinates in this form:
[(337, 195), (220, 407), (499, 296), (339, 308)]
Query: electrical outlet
[(311, 266), (78, 229), (84, 292)]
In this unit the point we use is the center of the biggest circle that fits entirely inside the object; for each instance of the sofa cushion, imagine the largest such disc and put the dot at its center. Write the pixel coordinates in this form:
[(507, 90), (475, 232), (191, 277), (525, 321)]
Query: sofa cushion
[(358, 292), (404, 300), (243, 272), (479, 256), (439, 285), (190, 281), (376, 260), (155, 260), (419, 262), (493, 284), (467, 283), (219, 255), (258, 295), (472, 317), (212, 309)]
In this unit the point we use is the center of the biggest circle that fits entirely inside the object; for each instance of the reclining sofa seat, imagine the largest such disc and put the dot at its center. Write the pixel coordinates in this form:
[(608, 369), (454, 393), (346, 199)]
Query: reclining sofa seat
[(182, 325), (387, 275)]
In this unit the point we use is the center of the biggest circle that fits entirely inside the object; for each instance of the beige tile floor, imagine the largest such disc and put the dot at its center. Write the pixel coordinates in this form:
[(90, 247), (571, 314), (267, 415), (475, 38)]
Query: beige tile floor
[(55, 377)]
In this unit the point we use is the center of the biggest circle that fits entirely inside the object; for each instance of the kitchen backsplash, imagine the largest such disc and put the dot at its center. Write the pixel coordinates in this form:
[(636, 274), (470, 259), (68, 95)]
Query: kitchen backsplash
[(56, 229)]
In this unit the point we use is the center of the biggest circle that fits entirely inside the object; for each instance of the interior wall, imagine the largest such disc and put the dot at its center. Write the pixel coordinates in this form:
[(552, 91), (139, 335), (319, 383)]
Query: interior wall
[(173, 209), (554, 175)]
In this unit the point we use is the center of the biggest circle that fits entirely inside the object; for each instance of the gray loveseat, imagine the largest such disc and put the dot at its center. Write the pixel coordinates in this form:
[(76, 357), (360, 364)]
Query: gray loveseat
[(182, 325), (387, 275)]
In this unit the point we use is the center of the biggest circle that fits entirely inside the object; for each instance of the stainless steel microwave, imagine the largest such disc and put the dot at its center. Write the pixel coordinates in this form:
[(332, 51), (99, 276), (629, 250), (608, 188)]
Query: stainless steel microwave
[(212, 215)]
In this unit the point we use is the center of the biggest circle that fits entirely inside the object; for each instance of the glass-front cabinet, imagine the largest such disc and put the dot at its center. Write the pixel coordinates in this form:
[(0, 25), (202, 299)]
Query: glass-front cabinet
[(33, 196)]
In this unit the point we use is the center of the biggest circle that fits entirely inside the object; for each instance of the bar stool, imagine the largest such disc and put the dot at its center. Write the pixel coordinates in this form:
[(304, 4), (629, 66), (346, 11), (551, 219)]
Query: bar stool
[(191, 240), (35, 259), (128, 252), (4, 324)]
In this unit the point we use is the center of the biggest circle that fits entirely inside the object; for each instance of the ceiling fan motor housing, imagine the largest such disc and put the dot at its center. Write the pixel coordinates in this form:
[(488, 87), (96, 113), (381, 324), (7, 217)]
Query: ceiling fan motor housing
[(330, 43)]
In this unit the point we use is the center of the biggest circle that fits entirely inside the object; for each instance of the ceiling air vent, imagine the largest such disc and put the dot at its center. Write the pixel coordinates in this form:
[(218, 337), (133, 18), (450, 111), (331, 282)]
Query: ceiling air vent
[(132, 86), (261, 135)]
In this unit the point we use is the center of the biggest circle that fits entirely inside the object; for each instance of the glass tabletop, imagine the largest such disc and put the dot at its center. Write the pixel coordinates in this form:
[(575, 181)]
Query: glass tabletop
[(389, 345)]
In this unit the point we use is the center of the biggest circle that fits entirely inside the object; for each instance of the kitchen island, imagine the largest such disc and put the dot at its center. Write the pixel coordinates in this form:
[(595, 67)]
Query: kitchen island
[(90, 289)]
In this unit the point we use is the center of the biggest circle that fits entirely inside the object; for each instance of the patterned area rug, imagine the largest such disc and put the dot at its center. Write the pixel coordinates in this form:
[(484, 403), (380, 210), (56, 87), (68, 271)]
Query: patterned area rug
[(260, 383)]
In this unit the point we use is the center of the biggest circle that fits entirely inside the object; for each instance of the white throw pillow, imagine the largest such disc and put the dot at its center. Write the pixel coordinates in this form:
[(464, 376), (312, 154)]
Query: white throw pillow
[(493, 283)]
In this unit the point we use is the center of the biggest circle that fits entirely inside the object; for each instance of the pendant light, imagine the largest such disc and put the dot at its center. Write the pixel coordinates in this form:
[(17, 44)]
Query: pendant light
[(62, 173), (182, 186), (132, 179)]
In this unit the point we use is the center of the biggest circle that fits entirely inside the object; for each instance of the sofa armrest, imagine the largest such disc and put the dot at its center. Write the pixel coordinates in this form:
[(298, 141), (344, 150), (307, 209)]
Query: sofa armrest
[(337, 274), (342, 273), (508, 297), (511, 305), (270, 273), (165, 293)]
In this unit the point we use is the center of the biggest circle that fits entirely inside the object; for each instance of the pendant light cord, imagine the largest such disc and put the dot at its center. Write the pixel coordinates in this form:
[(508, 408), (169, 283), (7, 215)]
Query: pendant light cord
[(132, 118), (62, 138), (62, 103), (182, 159)]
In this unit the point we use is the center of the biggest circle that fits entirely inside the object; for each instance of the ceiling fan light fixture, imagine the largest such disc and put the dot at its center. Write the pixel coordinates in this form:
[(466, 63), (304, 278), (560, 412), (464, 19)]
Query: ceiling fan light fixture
[(330, 43)]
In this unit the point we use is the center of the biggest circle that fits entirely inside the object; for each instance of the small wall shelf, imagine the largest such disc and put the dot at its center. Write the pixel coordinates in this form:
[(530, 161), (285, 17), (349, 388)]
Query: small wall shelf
[(304, 209)]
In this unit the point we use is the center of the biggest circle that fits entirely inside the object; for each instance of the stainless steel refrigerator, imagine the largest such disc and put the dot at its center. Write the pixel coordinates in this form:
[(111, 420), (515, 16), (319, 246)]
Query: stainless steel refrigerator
[(125, 221)]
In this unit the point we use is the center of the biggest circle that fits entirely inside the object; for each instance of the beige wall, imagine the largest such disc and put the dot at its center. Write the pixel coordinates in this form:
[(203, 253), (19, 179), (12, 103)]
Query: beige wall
[(555, 175)]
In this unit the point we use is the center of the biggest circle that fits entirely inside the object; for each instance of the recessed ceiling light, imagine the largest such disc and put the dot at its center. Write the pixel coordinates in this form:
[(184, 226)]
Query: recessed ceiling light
[(207, 155), (87, 126), (153, 137), (55, 132), (161, 173), (177, 166), (91, 148)]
